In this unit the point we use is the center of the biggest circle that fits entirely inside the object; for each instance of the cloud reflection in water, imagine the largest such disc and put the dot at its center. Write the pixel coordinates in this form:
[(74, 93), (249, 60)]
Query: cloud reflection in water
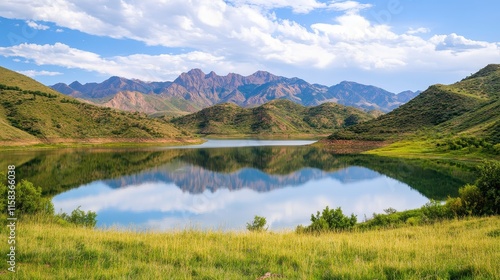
[(154, 200)]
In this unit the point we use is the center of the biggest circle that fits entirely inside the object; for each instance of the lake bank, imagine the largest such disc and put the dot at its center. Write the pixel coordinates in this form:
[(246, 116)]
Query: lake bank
[(263, 136), (408, 149), (60, 143)]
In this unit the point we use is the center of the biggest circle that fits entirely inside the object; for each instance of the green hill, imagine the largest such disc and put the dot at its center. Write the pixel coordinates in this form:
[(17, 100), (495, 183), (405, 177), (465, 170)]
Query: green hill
[(467, 108), (33, 113), (277, 117)]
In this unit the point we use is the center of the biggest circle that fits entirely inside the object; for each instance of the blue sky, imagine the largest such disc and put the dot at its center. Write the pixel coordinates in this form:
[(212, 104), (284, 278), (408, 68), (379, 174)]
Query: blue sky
[(393, 44)]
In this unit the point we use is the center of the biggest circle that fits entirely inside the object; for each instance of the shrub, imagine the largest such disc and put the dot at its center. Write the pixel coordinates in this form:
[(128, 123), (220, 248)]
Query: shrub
[(472, 199), (258, 224), (435, 211), (456, 206), (413, 221), (79, 217), (28, 199), (489, 185), (331, 219)]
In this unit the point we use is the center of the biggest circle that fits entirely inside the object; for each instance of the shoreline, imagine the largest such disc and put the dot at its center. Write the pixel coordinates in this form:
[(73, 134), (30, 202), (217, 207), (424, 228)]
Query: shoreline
[(95, 143), (264, 136)]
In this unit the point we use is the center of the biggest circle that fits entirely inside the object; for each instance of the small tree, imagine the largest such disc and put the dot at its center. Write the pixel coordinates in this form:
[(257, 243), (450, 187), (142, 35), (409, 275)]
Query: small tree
[(351, 120), (331, 219), (79, 217), (258, 224)]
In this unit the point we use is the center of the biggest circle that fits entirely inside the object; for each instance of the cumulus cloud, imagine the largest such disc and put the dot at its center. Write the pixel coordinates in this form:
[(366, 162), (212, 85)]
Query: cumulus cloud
[(456, 43), (297, 6), (239, 35), (140, 66)]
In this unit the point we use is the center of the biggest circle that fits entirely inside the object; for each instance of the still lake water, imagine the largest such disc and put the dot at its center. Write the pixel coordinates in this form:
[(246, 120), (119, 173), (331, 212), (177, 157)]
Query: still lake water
[(223, 184)]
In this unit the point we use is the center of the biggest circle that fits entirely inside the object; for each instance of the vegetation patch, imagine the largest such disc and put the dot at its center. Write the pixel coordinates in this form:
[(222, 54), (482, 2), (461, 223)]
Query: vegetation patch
[(276, 117)]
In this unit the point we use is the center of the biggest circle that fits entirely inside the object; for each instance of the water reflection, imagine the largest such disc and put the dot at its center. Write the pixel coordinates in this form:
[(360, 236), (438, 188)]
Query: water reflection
[(210, 143), (225, 187), (160, 203)]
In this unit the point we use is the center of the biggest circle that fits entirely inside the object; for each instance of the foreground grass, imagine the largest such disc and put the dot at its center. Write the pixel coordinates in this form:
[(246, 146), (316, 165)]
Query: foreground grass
[(466, 249)]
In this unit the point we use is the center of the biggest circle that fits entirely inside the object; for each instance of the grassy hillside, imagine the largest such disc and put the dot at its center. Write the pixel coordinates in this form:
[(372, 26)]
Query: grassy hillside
[(467, 108), (150, 104), (460, 249), (275, 117), (31, 113)]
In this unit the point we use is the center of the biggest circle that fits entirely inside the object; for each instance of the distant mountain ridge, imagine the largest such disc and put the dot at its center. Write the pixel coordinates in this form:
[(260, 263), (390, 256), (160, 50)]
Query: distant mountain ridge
[(196, 90)]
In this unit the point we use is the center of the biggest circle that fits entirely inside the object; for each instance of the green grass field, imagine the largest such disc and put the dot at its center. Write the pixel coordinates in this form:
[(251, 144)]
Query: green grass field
[(458, 249)]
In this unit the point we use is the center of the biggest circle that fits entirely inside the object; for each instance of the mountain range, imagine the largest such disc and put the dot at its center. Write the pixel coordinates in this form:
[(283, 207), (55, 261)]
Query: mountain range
[(195, 90)]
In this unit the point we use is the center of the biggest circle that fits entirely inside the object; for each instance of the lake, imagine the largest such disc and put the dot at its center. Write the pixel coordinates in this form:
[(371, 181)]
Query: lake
[(223, 184)]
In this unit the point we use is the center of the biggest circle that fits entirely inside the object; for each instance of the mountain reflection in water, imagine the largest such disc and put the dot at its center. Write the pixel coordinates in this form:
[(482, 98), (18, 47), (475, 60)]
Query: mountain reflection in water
[(164, 188)]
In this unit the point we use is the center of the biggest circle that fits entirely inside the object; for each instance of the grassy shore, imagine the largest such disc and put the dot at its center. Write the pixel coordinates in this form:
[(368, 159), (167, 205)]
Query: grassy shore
[(100, 143), (425, 148), (458, 249)]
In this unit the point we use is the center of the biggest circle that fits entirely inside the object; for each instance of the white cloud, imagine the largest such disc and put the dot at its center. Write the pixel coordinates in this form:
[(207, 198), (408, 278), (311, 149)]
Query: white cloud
[(455, 42), (140, 66), (419, 30), (59, 30), (241, 36), (37, 26), (33, 73), (348, 6), (298, 6)]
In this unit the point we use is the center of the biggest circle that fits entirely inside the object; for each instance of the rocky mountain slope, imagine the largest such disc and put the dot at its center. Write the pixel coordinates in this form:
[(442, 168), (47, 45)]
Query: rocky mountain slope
[(195, 90)]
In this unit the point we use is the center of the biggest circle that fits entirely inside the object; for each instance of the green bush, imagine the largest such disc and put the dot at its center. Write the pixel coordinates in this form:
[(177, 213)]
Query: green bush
[(258, 224), (435, 211), (331, 220), (79, 217), (489, 185), (456, 206), (414, 221), (28, 199), (472, 199)]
